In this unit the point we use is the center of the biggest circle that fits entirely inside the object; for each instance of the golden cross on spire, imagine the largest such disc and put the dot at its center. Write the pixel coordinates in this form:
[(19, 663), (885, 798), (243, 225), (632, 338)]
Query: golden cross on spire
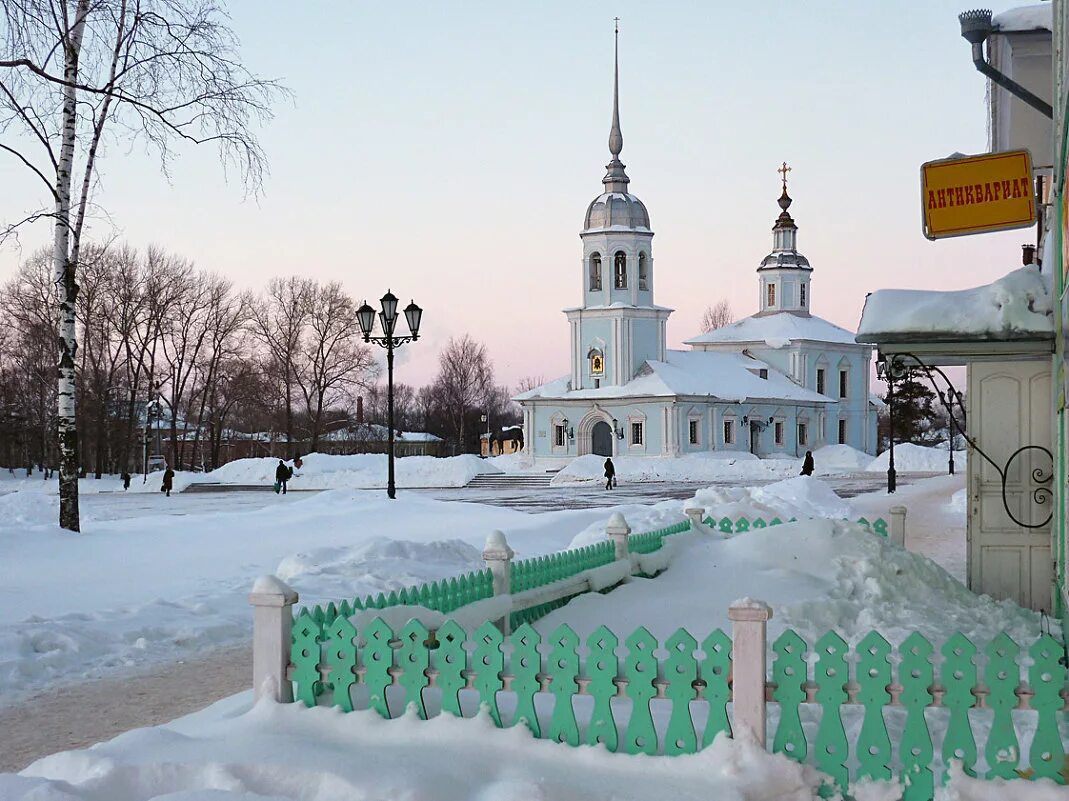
[(783, 171)]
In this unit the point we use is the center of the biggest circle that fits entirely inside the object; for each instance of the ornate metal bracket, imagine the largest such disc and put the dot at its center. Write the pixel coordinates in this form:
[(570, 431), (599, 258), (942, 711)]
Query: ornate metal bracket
[(953, 399)]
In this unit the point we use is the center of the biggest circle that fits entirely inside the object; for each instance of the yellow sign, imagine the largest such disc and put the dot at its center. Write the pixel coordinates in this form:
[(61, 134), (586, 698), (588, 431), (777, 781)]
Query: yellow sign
[(978, 194)]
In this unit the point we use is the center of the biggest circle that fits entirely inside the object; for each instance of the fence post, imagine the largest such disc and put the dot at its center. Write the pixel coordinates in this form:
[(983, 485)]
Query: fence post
[(273, 600), (618, 532), (695, 515), (898, 525), (748, 647), (498, 557)]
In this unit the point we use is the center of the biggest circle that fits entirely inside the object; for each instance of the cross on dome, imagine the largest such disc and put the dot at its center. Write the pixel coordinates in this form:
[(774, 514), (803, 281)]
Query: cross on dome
[(783, 171)]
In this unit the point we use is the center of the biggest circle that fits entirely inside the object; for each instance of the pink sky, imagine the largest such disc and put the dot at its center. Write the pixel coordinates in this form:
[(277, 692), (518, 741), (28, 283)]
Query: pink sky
[(449, 154)]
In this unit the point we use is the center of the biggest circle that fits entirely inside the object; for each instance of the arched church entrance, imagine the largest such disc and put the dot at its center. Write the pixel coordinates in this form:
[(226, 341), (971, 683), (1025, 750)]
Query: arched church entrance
[(601, 439)]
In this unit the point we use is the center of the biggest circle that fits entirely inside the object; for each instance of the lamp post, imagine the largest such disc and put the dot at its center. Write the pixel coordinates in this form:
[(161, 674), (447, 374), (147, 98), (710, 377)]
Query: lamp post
[(388, 321), (885, 370)]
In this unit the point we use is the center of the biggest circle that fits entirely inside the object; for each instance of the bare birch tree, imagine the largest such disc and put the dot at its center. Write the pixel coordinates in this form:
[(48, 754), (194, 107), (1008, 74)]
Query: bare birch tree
[(717, 316), (74, 73)]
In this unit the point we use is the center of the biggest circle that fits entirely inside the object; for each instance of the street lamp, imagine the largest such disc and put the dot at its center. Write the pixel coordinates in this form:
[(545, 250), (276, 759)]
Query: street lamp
[(365, 316), (885, 372)]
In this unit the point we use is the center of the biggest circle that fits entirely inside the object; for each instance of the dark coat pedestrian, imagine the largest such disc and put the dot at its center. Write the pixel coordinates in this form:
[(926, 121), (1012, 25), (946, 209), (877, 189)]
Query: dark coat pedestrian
[(282, 475), (807, 464), (610, 474), (168, 482), (125, 480)]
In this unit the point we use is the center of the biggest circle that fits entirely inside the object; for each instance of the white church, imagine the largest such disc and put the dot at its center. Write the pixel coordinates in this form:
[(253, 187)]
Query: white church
[(778, 383)]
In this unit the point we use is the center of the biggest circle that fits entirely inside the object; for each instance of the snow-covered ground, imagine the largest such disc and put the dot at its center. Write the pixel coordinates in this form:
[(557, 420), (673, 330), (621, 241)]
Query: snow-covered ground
[(136, 591)]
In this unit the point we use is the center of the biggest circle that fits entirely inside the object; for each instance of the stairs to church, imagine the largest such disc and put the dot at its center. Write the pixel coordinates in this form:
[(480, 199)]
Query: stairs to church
[(511, 481)]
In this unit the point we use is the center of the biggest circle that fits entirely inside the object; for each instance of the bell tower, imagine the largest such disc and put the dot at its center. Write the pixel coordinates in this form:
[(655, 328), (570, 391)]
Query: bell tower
[(784, 274), (617, 328)]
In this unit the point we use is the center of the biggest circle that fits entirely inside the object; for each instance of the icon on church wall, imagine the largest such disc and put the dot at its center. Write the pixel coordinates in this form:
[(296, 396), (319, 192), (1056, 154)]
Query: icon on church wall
[(597, 364)]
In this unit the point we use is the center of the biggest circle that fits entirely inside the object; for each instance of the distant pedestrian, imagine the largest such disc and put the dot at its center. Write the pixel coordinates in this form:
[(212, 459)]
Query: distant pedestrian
[(125, 480), (807, 464), (168, 481), (282, 475), (610, 474), (297, 463)]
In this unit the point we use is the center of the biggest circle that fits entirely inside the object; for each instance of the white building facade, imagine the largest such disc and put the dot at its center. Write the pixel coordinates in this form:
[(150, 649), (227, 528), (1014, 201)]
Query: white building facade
[(778, 383)]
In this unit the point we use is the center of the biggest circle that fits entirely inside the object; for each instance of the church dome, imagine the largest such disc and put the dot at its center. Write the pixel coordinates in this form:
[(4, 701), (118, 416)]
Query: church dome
[(619, 209), (787, 259)]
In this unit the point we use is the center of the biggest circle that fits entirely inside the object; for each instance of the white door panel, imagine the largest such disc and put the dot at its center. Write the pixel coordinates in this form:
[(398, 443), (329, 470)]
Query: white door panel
[(1009, 408)]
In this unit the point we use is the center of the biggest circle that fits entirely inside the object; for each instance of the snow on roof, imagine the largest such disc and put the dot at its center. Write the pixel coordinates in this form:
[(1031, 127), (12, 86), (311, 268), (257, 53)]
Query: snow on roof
[(777, 331), (724, 376), (1025, 18), (371, 432), (1017, 306)]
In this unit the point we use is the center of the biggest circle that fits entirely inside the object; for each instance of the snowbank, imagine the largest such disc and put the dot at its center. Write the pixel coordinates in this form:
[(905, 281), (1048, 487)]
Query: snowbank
[(840, 459), (1018, 305), (818, 575), (910, 458), (287, 752), (800, 496), (357, 471), (696, 467), (291, 753)]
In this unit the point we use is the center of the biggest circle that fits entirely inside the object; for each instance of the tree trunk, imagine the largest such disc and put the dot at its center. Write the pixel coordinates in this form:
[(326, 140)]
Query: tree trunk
[(67, 434)]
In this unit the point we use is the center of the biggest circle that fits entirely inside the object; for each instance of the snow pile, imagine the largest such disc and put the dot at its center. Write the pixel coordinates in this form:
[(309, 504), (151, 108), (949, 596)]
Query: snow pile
[(1018, 305), (818, 575), (910, 458), (801, 496), (377, 565), (708, 466), (290, 753), (840, 459), (229, 752), (357, 471)]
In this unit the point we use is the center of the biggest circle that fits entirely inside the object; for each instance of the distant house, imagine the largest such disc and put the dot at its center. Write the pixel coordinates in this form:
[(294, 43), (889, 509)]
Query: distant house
[(372, 438)]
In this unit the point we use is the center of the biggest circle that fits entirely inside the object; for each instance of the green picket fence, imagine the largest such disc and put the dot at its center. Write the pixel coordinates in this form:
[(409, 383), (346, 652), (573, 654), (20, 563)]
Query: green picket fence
[(448, 595), (642, 702), (726, 525)]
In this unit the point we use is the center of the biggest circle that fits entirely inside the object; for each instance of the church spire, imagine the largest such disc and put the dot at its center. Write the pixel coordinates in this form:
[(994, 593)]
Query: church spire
[(616, 179), (784, 232)]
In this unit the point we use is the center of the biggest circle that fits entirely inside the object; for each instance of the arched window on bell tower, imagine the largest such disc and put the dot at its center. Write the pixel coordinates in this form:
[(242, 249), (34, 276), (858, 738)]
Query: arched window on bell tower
[(643, 272), (595, 272), (619, 270)]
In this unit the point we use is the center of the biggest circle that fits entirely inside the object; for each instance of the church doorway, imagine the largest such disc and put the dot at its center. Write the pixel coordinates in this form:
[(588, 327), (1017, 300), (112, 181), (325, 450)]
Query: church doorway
[(755, 438), (601, 439)]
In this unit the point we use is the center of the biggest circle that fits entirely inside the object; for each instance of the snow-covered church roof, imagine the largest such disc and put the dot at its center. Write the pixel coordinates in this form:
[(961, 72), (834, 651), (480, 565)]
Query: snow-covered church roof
[(729, 377), (1018, 306), (776, 330)]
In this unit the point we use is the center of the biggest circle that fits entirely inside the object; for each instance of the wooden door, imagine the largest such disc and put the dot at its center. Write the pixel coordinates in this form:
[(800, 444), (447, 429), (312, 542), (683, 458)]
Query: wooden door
[(1009, 407)]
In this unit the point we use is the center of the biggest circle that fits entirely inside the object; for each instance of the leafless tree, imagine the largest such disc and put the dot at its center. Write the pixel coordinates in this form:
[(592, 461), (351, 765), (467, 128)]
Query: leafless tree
[(278, 321), (717, 316), (465, 380), (529, 382), (75, 74), (332, 359)]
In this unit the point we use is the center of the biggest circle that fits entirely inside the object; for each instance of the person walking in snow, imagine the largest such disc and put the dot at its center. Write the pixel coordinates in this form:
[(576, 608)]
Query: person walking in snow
[(610, 474), (168, 481), (282, 475), (807, 464), (125, 480)]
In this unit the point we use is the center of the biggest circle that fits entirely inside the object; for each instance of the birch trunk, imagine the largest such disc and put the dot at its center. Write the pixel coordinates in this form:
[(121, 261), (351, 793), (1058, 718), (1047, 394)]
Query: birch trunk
[(67, 286)]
